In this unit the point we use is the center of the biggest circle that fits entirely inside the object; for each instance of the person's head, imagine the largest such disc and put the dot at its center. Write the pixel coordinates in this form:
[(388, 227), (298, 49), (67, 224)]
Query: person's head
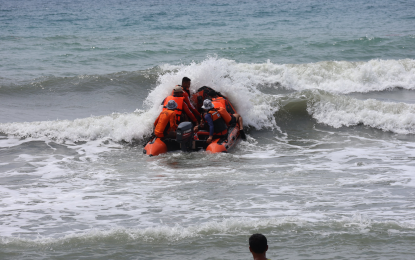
[(171, 105), (258, 244), (178, 91), (212, 93), (207, 104), (186, 83)]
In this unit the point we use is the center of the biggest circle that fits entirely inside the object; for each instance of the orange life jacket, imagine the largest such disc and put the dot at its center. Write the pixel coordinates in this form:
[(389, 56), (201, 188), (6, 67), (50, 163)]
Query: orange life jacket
[(219, 124), (179, 109), (223, 102), (219, 102), (163, 124), (224, 114)]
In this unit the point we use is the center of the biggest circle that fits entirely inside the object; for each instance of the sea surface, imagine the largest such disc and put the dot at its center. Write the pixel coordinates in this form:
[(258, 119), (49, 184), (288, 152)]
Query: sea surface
[(326, 90)]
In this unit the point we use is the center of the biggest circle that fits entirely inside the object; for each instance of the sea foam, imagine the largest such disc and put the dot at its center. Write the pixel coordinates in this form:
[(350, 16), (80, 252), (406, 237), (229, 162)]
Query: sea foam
[(338, 111), (357, 223), (243, 84), (332, 76)]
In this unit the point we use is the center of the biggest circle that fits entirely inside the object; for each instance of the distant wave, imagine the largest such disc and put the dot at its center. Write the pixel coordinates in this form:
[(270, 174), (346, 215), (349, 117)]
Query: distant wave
[(123, 82)]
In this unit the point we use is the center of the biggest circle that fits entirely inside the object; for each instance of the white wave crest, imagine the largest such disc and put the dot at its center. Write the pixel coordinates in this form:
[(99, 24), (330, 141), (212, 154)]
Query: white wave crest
[(242, 83), (338, 111), (332, 76), (234, 226), (227, 77), (117, 127)]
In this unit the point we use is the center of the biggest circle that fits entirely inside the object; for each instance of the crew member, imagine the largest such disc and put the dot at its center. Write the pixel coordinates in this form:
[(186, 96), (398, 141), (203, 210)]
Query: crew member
[(165, 124), (186, 85), (181, 106), (217, 124), (186, 94), (221, 102)]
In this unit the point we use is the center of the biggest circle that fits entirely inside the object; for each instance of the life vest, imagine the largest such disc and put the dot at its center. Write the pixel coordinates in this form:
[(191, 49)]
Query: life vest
[(163, 124), (219, 124), (224, 114), (222, 102), (219, 102), (179, 109)]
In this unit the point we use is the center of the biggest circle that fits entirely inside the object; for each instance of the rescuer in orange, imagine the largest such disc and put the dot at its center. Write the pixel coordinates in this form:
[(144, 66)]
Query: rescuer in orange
[(186, 94), (165, 124), (217, 124), (181, 106), (221, 102)]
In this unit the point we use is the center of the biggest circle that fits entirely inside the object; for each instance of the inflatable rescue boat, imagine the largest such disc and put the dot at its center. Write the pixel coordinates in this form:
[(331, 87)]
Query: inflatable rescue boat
[(187, 140)]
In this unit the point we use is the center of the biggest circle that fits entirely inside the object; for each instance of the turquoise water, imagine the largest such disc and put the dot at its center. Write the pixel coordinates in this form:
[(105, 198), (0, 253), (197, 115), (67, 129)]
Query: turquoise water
[(326, 90), (77, 37)]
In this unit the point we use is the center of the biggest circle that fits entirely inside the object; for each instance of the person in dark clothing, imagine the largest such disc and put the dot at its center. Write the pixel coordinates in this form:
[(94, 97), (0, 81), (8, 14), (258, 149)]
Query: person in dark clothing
[(216, 123), (258, 246)]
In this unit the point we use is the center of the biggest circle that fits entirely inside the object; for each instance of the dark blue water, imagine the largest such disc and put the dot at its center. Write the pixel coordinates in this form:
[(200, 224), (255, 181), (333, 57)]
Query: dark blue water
[(78, 37)]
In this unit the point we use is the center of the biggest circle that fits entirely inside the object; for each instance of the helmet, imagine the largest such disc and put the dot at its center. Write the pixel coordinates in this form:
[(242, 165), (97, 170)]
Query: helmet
[(207, 104), (177, 89), (171, 104)]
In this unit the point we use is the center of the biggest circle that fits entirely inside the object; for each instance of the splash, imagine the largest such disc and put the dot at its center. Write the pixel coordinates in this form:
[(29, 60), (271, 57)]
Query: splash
[(338, 111), (340, 77), (244, 85)]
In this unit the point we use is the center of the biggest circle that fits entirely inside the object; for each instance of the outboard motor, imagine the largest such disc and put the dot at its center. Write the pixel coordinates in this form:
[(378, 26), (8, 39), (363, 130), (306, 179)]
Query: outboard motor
[(184, 136)]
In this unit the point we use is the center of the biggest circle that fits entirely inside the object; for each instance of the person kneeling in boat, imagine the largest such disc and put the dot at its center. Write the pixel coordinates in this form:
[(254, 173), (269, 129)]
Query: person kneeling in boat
[(186, 94), (216, 120), (181, 106), (165, 125), (224, 103)]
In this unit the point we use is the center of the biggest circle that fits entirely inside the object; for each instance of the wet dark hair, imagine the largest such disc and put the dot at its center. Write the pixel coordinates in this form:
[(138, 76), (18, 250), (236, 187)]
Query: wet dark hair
[(185, 79), (258, 243), (211, 93)]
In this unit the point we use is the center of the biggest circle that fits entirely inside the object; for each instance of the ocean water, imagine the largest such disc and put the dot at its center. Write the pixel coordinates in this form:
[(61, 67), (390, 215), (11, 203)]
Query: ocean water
[(326, 90)]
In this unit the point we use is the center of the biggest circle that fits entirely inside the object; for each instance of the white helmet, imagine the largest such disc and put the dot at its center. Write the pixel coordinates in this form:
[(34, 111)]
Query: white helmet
[(171, 104), (207, 104)]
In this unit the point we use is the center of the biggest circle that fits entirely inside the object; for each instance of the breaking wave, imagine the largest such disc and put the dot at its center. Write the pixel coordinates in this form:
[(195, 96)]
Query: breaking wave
[(322, 85)]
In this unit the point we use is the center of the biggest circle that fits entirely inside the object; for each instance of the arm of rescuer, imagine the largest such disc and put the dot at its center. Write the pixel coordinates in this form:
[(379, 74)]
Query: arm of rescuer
[(189, 113), (209, 120), (190, 105)]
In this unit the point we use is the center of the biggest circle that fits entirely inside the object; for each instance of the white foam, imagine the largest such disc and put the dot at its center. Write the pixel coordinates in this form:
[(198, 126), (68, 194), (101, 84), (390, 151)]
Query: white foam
[(227, 77), (332, 76), (338, 111), (242, 83), (358, 222), (116, 127)]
